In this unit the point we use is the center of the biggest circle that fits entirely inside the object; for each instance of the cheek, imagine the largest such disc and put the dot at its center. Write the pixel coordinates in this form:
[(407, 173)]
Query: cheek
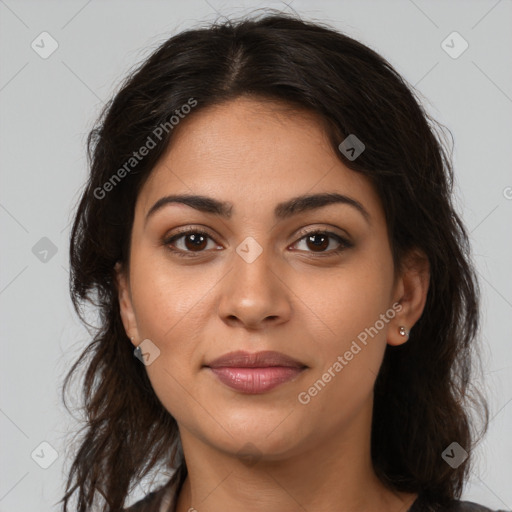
[(351, 299), (348, 312), (163, 295), (171, 310), (350, 345)]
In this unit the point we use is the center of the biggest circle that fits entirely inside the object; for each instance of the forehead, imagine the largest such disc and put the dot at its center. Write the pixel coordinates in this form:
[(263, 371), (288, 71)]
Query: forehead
[(251, 151)]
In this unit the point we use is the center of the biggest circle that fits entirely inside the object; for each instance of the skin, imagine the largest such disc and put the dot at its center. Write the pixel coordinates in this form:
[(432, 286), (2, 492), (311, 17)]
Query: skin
[(313, 456)]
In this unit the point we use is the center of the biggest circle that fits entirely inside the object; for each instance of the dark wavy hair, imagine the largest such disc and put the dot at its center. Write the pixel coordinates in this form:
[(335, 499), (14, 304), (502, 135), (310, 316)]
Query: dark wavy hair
[(423, 393)]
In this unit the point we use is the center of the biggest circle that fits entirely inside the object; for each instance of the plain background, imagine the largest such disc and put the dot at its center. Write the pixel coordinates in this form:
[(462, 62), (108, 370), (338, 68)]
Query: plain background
[(49, 105)]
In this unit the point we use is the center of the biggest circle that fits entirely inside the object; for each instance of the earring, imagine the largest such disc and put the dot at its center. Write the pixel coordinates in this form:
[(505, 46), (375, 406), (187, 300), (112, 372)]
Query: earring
[(403, 331)]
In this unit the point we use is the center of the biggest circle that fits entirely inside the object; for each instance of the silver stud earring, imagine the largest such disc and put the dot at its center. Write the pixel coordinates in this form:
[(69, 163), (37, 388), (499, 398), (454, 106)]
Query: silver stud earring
[(403, 331)]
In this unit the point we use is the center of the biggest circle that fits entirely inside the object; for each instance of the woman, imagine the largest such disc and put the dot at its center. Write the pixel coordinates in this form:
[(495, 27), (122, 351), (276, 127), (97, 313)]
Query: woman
[(287, 303)]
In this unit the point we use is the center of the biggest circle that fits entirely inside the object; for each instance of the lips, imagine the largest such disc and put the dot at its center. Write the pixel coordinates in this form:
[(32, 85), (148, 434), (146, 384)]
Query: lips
[(257, 372), (265, 359)]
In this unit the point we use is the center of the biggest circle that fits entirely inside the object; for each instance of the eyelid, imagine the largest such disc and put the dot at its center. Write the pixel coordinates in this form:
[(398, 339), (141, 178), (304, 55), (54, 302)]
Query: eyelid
[(323, 229), (190, 228)]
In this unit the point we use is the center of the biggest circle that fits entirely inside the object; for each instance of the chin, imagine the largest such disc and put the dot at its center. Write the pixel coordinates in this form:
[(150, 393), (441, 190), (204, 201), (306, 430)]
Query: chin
[(269, 437)]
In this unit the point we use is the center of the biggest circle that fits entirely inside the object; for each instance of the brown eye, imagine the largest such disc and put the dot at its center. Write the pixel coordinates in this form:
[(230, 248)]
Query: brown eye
[(192, 241), (319, 241), (195, 241)]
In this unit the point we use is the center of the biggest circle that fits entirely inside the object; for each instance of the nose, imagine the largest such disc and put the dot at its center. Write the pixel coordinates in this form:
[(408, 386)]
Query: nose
[(254, 294)]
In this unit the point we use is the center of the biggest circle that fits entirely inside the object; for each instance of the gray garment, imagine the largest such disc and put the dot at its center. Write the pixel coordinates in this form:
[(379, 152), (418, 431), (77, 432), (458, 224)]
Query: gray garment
[(420, 505), (469, 506), (154, 502)]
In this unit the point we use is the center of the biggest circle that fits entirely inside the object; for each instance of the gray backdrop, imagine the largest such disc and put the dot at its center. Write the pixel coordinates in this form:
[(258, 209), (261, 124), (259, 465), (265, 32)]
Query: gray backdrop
[(62, 60)]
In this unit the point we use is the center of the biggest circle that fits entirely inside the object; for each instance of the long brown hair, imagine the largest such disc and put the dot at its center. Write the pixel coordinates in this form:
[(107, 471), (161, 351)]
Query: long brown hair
[(423, 391)]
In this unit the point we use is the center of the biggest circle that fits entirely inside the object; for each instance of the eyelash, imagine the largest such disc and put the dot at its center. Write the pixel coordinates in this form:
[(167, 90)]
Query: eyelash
[(344, 243)]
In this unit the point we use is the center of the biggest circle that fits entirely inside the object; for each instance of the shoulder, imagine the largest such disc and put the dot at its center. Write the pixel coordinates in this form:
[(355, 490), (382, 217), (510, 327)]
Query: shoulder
[(469, 506), (153, 503), (422, 504)]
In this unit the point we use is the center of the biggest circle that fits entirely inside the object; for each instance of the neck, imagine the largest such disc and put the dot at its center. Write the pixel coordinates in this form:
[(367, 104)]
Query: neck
[(332, 473)]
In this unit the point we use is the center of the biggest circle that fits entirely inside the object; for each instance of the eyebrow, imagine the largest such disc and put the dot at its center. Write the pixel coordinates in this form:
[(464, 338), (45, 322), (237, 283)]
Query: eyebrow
[(282, 211)]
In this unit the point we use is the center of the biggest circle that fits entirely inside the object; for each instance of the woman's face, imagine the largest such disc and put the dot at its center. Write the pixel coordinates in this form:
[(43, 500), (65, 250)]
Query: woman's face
[(259, 281)]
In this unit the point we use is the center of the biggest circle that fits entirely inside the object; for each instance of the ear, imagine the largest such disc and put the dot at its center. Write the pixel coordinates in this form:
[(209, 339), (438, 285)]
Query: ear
[(125, 303), (411, 290)]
